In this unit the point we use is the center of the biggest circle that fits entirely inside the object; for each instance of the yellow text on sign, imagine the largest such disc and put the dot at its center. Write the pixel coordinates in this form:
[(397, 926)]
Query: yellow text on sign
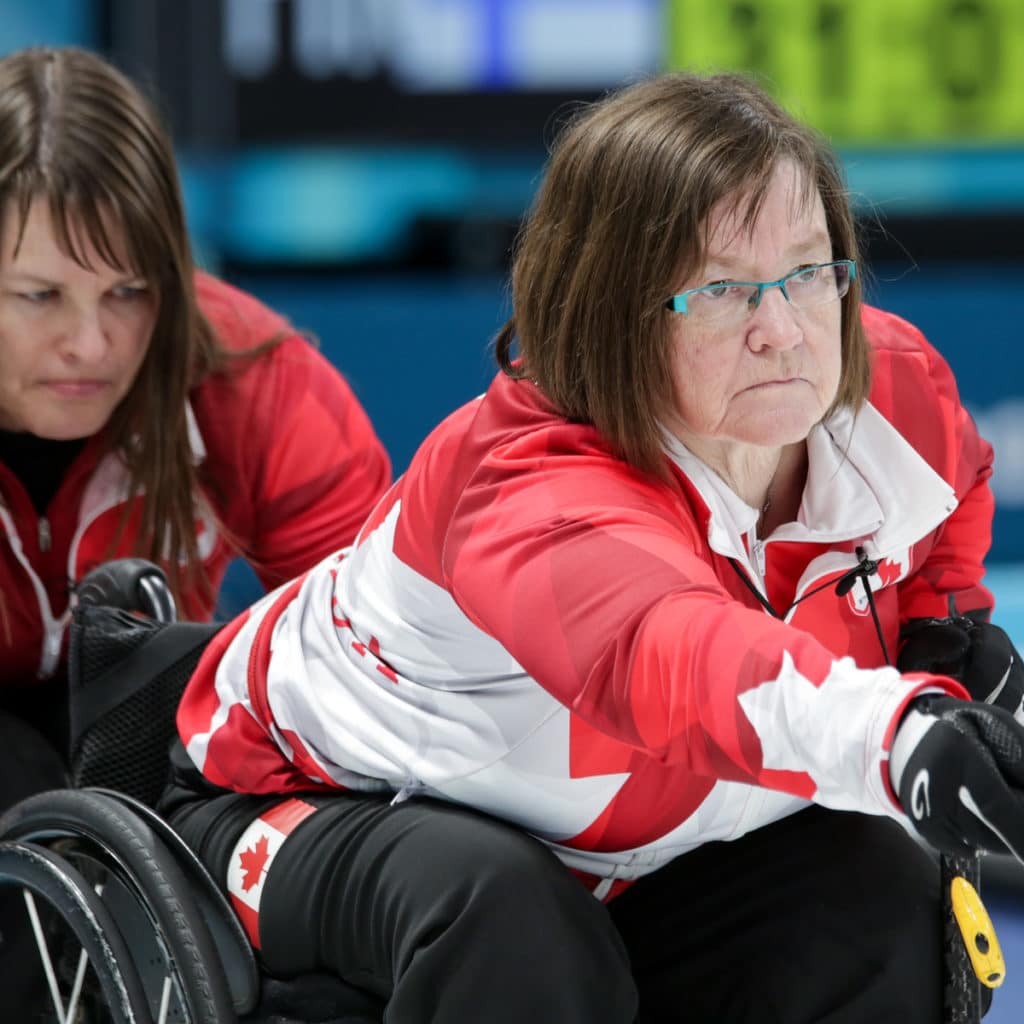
[(874, 71)]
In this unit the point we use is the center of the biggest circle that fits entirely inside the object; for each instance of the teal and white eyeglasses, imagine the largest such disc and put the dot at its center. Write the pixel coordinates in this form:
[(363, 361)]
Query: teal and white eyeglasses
[(806, 287)]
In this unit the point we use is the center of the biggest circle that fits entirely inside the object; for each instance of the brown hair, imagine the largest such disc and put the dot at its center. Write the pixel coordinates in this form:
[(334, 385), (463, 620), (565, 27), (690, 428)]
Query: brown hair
[(622, 217), (77, 134)]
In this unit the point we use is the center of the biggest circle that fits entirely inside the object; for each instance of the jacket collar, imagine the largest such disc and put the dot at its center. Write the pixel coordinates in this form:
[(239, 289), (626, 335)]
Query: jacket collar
[(195, 437), (108, 485), (864, 481)]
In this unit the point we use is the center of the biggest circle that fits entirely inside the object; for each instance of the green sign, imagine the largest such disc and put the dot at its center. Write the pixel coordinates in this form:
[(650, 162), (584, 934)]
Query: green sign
[(870, 71)]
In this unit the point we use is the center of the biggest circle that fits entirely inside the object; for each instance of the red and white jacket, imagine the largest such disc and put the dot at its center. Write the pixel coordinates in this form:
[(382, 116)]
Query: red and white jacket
[(291, 467), (528, 626)]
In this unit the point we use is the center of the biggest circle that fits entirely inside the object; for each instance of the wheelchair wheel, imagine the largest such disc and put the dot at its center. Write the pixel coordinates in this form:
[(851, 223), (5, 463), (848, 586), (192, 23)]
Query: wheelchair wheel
[(145, 893), (88, 969), (236, 954)]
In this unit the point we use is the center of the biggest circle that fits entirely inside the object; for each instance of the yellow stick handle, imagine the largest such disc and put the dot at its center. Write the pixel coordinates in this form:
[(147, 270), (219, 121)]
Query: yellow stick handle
[(978, 933)]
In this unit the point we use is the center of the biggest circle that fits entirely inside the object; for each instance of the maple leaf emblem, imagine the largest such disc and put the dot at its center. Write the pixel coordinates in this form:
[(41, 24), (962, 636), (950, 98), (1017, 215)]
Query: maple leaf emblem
[(830, 732), (253, 861)]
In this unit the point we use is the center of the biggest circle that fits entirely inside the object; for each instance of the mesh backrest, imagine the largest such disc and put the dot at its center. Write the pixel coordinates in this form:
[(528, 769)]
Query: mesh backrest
[(126, 678)]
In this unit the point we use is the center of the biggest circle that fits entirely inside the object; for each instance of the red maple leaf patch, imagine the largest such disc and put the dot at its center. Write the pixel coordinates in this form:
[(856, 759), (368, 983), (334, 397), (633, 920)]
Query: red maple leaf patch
[(253, 861)]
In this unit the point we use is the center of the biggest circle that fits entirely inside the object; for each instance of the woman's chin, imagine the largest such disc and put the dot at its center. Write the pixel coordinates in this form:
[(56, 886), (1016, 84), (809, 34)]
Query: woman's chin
[(782, 425), (66, 429)]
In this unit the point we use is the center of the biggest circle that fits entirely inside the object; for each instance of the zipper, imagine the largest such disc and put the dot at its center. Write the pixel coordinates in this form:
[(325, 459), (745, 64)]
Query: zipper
[(53, 628), (757, 550), (45, 534)]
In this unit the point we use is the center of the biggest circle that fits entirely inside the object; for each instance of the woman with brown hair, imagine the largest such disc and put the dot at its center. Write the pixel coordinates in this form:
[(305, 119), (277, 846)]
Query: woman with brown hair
[(145, 408), (669, 598)]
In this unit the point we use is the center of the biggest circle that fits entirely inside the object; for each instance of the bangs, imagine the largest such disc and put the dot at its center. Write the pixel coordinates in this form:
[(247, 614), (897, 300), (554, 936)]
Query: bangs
[(87, 227), (743, 199), (84, 224), (747, 207)]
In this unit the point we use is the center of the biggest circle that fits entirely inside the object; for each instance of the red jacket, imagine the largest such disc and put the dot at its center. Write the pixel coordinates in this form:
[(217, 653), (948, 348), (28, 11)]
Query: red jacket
[(529, 626), (294, 467)]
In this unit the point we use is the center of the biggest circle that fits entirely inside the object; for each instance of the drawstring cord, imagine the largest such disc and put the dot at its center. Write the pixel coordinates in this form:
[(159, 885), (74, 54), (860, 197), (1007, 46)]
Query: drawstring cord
[(409, 789), (864, 568)]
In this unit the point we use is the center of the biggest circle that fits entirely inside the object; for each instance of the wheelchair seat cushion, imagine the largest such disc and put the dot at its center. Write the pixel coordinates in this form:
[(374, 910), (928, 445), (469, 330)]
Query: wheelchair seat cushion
[(126, 676)]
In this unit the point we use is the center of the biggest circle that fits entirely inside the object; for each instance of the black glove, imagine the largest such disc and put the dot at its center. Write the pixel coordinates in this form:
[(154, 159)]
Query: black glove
[(958, 769), (977, 654)]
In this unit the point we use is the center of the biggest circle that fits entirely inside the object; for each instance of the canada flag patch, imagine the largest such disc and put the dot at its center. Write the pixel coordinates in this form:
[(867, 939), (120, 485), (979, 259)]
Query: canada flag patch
[(889, 570), (252, 856)]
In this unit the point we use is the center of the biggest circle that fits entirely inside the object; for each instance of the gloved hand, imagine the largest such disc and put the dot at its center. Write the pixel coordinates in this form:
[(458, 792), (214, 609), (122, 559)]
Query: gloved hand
[(958, 769), (977, 654)]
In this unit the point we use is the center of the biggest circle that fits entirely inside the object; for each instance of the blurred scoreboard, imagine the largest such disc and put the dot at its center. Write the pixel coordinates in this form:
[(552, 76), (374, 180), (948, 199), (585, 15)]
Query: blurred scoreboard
[(444, 71), (906, 72), (871, 71), (449, 45), (864, 71)]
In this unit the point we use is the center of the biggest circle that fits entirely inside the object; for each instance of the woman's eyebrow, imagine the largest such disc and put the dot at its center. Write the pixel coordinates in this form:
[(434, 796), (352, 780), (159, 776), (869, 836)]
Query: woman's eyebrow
[(27, 276), (718, 264), (814, 240)]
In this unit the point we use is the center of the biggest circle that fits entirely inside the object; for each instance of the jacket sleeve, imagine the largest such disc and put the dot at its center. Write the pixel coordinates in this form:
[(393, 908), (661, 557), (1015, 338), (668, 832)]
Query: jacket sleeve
[(293, 464), (317, 466), (607, 600), (918, 392)]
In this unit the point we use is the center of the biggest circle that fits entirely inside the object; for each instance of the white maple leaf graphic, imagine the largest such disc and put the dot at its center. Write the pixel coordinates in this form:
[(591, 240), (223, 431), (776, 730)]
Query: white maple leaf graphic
[(832, 732)]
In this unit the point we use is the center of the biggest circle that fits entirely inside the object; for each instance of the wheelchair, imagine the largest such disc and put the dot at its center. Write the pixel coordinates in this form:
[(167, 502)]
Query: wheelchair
[(128, 923)]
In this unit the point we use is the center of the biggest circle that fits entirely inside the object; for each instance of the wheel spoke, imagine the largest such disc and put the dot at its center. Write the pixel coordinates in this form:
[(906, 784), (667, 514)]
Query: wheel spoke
[(165, 1001), (76, 989), (44, 956)]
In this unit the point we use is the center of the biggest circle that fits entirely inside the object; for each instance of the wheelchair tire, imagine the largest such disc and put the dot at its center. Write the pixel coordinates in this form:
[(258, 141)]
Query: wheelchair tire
[(236, 954), (145, 892), (43, 874)]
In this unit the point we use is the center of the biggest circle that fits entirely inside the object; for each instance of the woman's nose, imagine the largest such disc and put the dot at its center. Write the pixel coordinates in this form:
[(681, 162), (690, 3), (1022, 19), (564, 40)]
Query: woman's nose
[(774, 323), (85, 339)]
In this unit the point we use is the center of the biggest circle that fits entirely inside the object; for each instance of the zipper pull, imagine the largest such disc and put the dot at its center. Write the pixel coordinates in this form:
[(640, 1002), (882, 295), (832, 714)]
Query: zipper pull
[(758, 552), (45, 537)]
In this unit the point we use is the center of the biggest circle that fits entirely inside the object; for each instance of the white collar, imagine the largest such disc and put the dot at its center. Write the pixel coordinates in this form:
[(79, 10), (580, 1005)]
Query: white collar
[(864, 480), (195, 437)]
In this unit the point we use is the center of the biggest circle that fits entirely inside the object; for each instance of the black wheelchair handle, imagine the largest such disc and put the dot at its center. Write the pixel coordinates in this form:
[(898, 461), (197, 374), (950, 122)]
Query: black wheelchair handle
[(132, 584)]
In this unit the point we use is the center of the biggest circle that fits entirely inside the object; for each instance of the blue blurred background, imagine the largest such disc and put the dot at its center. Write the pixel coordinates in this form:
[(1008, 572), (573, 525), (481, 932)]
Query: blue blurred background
[(362, 165)]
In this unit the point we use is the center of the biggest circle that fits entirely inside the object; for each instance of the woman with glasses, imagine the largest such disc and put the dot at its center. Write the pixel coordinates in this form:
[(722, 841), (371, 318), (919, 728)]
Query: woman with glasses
[(643, 600)]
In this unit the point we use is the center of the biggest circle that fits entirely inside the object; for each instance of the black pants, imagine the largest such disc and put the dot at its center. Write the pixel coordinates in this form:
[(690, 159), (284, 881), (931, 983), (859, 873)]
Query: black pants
[(825, 917), (449, 916), (442, 914), (33, 736)]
